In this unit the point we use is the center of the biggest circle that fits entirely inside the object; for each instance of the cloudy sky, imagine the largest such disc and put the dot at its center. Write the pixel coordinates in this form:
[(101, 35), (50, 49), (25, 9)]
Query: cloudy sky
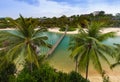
[(50, 8)]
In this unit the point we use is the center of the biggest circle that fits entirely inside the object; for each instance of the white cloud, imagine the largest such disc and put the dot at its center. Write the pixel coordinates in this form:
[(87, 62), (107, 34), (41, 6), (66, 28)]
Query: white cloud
[(111, 7), (57, 9), (45, 8), (50, 8)]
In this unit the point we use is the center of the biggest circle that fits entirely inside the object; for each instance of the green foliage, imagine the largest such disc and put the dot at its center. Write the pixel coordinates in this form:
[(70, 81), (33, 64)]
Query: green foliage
[(25, 77), (62, 29), (7, 72), (108, 19), (76, 77), (117, 56), (87, 46), (106, 79), (62, 77), (23, 42), (4, 23), (45, 74), (69, 28), (48, 74)]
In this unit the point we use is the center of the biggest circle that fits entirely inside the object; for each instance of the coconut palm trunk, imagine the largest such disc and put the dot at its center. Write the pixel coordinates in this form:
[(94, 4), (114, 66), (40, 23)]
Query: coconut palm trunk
[(76, 65), (87, 64)]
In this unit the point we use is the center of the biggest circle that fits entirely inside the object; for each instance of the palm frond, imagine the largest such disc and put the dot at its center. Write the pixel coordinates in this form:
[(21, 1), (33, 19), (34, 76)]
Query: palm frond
[(114, 65), (11, 54), (31, 56), (39, 37), (76, 51), (105, 36), (22, 41), (14, 33), (96, 61), (83, 61), (102, 55)]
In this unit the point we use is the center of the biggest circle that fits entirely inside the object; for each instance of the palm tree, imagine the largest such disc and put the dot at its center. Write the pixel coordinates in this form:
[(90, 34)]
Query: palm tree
[(24, 41), (117, 56), (72, 46), (87, 46)]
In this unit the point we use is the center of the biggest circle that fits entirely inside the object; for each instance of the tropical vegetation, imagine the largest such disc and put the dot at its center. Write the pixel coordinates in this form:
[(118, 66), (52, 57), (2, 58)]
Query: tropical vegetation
[(47, 74), (72, 21), (23, 43), (117, 56), (87, 46), (7, 72)]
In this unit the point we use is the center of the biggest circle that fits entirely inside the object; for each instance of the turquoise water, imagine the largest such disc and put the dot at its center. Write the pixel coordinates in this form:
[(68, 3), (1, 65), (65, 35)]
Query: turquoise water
[(60, 58), (110, 41), (52, 38)]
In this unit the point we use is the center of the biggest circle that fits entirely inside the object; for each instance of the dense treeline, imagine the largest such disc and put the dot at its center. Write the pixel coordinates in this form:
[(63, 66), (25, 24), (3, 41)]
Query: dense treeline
[(72, 21), (108, 19)]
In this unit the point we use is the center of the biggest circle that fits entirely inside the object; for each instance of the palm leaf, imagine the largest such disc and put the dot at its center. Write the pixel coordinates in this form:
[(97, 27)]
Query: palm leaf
[(105, 36), (11, 53), (76, 51), (83, 61), (96, 61), (114, 65)]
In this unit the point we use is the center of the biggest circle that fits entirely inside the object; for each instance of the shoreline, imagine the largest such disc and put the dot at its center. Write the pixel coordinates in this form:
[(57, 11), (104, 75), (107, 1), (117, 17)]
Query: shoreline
[(56, 30), (104, 30)]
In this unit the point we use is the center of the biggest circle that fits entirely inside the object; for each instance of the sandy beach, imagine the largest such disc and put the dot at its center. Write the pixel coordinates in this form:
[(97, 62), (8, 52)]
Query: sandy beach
[(57, 31), (105, 30), (117, 30), (94, 76)]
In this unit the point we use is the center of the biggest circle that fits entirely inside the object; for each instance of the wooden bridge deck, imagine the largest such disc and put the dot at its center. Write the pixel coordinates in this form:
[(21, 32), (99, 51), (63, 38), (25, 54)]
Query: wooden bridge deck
[(56, 44)]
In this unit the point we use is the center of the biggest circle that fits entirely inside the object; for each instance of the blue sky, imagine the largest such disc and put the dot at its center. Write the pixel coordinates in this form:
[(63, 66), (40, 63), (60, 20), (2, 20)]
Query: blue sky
[(50, 8)]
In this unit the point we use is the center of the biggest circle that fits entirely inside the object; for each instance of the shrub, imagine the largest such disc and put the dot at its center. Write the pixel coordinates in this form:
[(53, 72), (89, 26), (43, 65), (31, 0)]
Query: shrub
[(7, 72), (25, 77), (76, 77), (70, 28), (47, 74)]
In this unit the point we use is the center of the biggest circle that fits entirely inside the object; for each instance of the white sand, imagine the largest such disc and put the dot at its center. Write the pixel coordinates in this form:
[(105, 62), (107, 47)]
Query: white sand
[(117, 30), (105, 30), (7, 29), (99, 78), (57, 31)]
